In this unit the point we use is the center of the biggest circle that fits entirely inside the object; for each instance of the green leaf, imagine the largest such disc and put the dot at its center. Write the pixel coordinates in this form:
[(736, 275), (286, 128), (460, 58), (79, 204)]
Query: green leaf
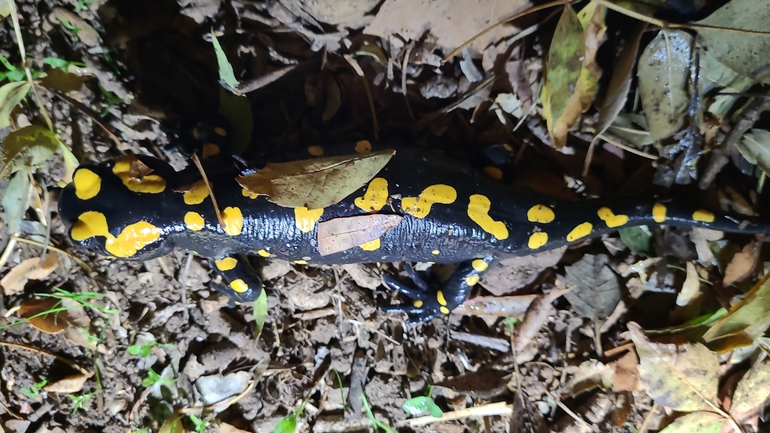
[(26, 147), (637, 239), (286, 425), (418, 406), (55, 62), (260, 314), (226, 73), (237, 111), (755, 147), (10, 95)]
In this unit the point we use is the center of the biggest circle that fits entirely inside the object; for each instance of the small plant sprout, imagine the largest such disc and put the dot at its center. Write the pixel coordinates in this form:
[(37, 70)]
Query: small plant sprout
[(154, 378), (144, 350), (33, 392)]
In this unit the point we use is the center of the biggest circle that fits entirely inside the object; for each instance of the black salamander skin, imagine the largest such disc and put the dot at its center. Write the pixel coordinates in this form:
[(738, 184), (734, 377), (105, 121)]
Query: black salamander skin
[(451, 214)]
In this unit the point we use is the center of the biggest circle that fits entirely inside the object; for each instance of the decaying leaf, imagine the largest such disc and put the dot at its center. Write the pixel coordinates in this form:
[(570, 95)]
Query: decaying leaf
[(315, 183), (742, 264), (663, 70), (620, 82), (10, 95), (587, 376), (64, 81), (15, 200), (683, 377), (31, 269), (451, 22), (626, 376), (755, 147), (596, 290), (53, 316), (715, 75), (26, 147), (746, 321), (747, 54), (340, 234), (564, 67), (534, 319), (753, 389), (87, 34), (691, 286), (217, 388), (700, 421)]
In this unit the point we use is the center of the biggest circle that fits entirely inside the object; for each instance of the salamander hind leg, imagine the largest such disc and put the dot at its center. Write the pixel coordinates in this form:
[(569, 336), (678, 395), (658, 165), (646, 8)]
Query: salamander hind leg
[(243, 284), (431, 299)]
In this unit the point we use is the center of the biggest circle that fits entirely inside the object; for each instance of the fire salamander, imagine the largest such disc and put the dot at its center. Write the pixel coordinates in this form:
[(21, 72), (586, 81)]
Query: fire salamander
[(451, 214)]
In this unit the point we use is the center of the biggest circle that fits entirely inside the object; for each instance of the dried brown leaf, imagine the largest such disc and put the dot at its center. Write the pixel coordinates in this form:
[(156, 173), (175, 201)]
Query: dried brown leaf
[(87, 34), (315, 183), (742, 264), (68, 385), (31, 269), (340, 234)]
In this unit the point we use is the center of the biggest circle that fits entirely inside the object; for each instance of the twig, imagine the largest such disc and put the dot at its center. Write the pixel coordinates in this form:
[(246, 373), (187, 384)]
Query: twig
[(721, 154)]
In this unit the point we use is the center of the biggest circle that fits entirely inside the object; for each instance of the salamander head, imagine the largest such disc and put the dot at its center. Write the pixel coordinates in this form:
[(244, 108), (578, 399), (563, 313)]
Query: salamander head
[(118, 207)]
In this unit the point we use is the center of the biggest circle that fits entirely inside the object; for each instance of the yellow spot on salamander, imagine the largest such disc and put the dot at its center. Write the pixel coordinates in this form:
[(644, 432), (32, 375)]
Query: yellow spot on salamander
[(300, 262), (440, 298), (226, 264), (444, 310), (197, 193), (209, 150), (315, 150), (194, 221), (417, 303), (220, 131), (537, 240), (435, 252), (246, 193), (479, 265), (376, 196), (263, 253), (478, 211), (90, 224), (233, 219), (151, 183), (363, 146), (305, 218), (87, 184), (540, 214), (609, 218), (471, 280), (239, 285), (132, 239), (659, 213), (371, 245), (703, 216), (419, 207), (494, 172), (580, 231)]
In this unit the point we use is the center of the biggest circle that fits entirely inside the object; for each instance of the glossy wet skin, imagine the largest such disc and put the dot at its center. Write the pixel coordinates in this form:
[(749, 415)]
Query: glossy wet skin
[(139, 208)]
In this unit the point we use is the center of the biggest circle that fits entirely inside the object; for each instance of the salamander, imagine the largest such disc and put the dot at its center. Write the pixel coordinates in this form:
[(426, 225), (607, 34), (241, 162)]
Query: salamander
[(138, 207)]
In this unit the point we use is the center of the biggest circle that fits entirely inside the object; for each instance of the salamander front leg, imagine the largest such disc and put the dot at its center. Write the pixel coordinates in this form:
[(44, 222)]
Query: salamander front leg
[(243, 284), (433, 299)]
